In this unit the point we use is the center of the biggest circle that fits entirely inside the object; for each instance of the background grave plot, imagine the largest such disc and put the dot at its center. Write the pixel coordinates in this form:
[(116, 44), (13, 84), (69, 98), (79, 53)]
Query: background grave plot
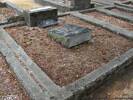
[(105, 16), (127, 4), (56, 60), (121, 10), (6, 13)]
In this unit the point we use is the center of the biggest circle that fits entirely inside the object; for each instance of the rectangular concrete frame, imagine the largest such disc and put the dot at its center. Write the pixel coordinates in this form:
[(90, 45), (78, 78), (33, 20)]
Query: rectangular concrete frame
[(124, 4), (106, 11), (122, 7), (105, 25), (43, 88)]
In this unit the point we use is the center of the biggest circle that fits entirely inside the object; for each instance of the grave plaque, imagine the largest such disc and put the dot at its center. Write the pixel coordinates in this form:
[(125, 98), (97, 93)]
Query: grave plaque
[(70, 35), (42, 17)]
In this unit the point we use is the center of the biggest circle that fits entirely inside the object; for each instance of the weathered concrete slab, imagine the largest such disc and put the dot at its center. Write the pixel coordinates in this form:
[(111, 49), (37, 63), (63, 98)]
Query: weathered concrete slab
[(70, 35)]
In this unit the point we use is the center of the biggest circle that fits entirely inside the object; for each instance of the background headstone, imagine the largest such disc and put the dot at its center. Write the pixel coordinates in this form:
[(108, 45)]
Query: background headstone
[(81, 4), (42, 17)]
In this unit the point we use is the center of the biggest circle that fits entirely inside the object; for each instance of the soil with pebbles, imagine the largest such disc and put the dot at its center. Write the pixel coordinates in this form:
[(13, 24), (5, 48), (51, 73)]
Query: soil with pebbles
[(64, 65), (111, 20), (9, 86)]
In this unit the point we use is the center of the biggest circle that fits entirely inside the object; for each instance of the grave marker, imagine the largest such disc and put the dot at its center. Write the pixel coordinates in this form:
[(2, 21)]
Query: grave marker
[(42, 17), (70, 35)]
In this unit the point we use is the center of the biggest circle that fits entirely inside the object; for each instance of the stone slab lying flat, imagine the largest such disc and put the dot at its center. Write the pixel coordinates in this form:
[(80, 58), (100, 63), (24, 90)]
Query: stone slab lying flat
[(70, 35)]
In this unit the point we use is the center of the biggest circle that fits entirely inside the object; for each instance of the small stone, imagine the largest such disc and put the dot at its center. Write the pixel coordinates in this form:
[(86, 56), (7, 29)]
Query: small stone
[(70, 35)]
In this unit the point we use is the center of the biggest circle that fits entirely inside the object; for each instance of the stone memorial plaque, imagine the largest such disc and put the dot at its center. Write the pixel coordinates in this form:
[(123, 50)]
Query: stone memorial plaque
[(70, 35), (42, 17)]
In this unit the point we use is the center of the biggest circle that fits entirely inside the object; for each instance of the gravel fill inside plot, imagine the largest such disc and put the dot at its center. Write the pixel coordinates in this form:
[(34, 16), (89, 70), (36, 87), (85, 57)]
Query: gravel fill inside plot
[(122, 12), (112, 20), (6, 12), (64, 65), (8, 83)]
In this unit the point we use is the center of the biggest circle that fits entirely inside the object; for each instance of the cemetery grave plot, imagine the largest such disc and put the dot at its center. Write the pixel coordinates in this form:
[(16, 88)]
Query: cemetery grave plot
[(121, 11), (110, 19), (9, 84), (6, 13), (64, 65), (127, 4)]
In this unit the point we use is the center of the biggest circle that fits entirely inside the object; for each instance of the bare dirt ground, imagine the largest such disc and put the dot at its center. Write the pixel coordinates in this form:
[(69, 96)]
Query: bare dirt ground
[(119, 88), (9, 86), (67, 65), (111, 20)]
